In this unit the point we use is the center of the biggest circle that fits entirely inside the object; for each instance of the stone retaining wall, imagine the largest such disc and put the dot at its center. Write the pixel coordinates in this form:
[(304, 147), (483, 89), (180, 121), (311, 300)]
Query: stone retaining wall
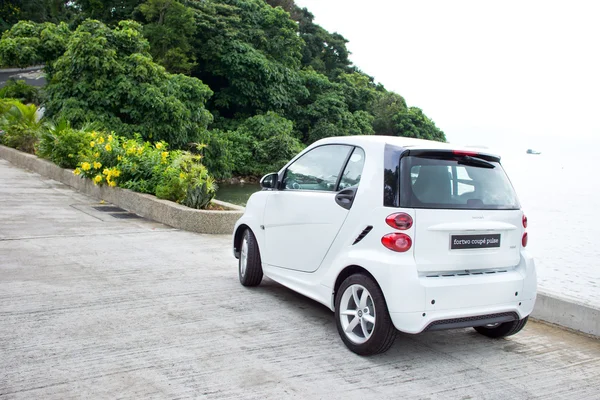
[(145, 205)]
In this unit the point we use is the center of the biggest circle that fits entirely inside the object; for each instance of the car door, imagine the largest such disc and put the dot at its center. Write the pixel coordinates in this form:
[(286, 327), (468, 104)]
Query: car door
[(303, 218)]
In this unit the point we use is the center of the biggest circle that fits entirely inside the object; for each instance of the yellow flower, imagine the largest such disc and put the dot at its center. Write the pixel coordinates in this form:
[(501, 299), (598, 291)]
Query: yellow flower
[(92, 143), (97, 165), (108, 147), (94, 134), (182, 175), (86, 166), (112, 183), (110, 138), (106, 171), (98, 179), (140, 150), (131, 150), (159, 145), (77, 171), (116, 173), (100, 140), (96, 155), (119, 158)]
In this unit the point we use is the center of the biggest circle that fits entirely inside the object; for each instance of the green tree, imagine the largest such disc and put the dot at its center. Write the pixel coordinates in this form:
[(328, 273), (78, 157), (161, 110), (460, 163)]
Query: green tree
[(28, 43), (384, 108), (249, 54), (169, 28), (414, 123), (358, 89), (106, 76), (55, 11), (261, 144), (109, 12), (325, 52), (324, 112)]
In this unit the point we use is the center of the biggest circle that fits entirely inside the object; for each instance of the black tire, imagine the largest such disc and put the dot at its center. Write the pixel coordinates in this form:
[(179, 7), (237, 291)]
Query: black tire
[(383, 332), (253, 274), (502, 330)]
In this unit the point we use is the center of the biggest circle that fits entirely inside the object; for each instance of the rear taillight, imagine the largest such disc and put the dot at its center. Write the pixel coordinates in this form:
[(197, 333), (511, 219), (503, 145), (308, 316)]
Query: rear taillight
[(400, 221), (399, 242), (524, 238)]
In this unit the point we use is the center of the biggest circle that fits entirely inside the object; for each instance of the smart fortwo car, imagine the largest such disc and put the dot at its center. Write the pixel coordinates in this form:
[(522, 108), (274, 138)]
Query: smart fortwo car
[(393, 233)]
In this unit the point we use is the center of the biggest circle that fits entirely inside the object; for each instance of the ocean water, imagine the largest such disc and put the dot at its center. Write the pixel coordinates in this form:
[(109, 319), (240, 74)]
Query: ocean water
[(559, 191)]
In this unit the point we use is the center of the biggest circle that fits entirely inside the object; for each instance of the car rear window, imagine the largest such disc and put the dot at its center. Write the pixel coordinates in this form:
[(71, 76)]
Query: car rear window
[(455, 182)]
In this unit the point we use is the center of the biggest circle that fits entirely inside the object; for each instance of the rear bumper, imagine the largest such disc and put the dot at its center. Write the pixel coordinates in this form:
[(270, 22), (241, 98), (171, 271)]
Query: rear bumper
[(419, 303)]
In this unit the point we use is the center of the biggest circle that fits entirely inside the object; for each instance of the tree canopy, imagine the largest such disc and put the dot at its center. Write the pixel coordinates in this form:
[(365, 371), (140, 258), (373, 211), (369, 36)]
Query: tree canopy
[(186, 70)]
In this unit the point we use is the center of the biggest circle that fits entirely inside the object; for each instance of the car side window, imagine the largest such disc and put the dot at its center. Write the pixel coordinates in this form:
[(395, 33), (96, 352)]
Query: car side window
[(353, 170), (318, 169)]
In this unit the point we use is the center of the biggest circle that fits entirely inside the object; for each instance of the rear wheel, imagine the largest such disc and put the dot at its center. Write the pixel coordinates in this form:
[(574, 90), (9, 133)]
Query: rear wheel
[(503, 329), (250, 265), (362, 317)]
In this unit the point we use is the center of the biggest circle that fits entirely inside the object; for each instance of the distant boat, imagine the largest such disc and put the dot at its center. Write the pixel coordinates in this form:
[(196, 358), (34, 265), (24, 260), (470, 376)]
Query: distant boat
[(530, 151)]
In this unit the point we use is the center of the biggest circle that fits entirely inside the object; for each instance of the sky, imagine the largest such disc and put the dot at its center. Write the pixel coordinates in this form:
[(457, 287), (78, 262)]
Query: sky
[(510, 73)]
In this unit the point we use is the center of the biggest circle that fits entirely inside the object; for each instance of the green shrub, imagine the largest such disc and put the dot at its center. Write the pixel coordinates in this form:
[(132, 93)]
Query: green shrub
[(261, 144), (187, 181), (21, 138), (64, 145), (108, 159), (142, 164), (19, 125), (21, 91)]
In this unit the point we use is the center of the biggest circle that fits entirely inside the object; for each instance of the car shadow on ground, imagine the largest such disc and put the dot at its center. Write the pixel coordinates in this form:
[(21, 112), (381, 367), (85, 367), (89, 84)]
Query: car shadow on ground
[(443, 343)]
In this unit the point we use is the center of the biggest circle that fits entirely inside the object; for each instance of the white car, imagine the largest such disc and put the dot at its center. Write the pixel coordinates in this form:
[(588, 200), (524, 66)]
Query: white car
[(393, 233)]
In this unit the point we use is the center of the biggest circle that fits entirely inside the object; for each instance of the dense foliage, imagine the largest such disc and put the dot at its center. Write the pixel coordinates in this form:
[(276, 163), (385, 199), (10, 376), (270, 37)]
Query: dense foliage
[(107, 158), (261, 78), (106, 76), (19, 125), (19, 90)]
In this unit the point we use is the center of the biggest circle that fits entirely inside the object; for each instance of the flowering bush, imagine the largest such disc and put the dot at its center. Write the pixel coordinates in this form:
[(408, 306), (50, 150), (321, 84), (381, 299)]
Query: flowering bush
[(147, 168), (187, 181)]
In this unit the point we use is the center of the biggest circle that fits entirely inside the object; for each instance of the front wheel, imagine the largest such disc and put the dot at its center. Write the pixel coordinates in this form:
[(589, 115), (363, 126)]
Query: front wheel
[(362, 317), (502, 330), (250, 265)]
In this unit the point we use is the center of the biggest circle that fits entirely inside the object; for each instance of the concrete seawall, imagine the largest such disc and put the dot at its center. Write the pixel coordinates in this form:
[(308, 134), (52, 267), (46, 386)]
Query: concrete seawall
[(145, 205), (549, 308)]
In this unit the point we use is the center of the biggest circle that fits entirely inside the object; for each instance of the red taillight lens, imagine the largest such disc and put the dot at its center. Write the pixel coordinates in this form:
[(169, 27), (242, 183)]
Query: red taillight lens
[(524, 240), (524, 221), (400, 221), (399, 242)]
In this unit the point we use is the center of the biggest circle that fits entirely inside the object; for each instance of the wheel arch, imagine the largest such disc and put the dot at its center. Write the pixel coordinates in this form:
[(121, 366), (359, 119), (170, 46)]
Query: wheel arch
[(345, 273), (237, 239)]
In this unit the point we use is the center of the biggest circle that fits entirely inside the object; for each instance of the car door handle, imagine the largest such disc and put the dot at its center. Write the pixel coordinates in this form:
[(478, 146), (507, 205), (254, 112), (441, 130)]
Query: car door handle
[(345, 198)]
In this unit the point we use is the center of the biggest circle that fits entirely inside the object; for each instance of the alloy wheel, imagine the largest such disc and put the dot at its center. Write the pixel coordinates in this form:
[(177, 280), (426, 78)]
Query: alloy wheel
[(357, 314), (244, 257)]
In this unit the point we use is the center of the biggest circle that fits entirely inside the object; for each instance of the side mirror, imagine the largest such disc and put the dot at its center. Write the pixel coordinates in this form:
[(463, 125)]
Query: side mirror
[(269, 181)]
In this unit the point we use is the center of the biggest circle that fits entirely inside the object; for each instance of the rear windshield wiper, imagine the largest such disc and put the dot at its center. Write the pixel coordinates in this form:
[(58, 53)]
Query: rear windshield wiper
[(474, 161)]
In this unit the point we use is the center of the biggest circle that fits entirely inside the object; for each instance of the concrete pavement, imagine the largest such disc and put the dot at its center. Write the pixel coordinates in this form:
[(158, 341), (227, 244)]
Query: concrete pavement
[(95, 306)]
